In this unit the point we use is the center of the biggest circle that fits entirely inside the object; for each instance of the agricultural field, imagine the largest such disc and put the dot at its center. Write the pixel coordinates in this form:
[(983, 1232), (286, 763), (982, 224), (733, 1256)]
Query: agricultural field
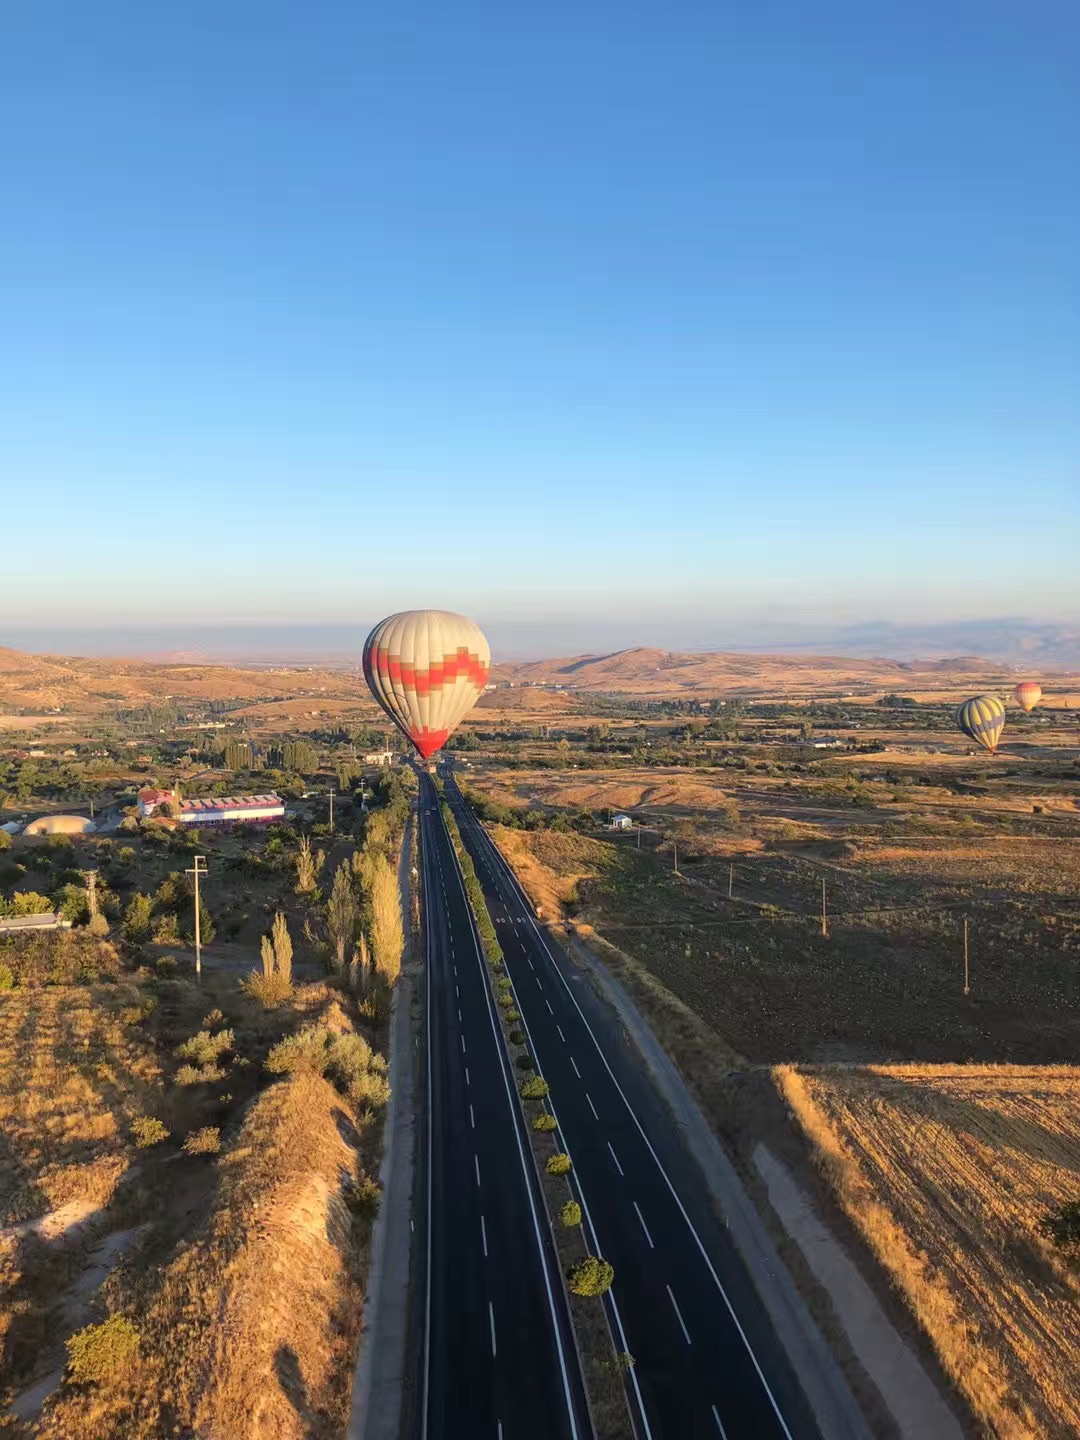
[(949, 1173)]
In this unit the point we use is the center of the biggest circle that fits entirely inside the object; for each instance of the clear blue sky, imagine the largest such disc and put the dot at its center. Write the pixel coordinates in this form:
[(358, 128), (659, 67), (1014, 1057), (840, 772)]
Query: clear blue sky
[(312, 312)]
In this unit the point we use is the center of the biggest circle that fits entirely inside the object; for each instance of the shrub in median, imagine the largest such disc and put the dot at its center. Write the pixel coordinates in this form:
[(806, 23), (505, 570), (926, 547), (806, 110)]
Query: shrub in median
[(535, 1088), (558, 1164), (517, 1037), (506, 1001), (512, 1015), (590, 1276), (544, 1122), (525, 1062), (570, 1214)]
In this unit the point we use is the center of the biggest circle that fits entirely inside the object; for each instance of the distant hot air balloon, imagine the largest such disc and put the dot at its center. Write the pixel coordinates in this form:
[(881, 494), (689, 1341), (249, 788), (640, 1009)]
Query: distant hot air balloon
[(982, 719), (1027, 694), (427, 669)]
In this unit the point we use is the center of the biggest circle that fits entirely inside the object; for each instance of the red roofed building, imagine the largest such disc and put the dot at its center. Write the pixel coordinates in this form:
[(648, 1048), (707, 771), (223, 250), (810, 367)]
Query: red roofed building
[(217, 810)]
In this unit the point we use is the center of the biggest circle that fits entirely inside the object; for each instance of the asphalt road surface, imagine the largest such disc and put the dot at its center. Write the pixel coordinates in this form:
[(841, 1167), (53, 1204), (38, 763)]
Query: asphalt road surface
[(499, 1357), (707, 1362)]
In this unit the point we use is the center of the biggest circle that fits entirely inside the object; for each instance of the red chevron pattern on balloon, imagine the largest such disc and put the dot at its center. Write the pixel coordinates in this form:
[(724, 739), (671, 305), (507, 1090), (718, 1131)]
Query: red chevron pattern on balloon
[(440, 672)]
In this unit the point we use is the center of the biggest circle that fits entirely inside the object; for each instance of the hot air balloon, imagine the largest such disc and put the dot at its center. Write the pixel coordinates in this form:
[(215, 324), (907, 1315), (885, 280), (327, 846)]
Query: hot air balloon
[(1027, 694), (427, 669), (982, 719)]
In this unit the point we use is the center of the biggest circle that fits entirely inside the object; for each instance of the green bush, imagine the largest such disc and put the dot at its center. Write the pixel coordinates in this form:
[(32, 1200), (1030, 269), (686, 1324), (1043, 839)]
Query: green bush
[(544, 1122), (558, 1164), (363, 1198), (525, 1062), (570, 1214), (534, 1088), (1063, 1226), (347, 1059), (517, 1037), (512, 1015), (206, 1141), (198, 1075), (506, 1001), (590, 1276), (147, 1131), (506, 983), (103, 1352), (205, 1049), (7, 978)]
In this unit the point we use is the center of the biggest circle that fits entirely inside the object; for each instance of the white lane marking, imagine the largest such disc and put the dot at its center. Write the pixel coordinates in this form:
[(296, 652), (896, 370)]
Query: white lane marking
[(476, 1162), (463, 1044), (592, 1107), (719, 1426), (616, 1159), (499, 1435), (548, 1004), (577, 1072), (645, 1227), (678, 1315), (483, 1235), (457, 991), (523, 899), (562, 1037), (491, 1317), (466, 1074), (459, 1014), (472, 1118), (532, 967)]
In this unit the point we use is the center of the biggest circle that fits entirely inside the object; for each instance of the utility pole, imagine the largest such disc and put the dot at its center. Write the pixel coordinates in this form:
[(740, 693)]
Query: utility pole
[(730, 880), (91, 891), (824, 916), (199, 868), (331, 809), (676, 844), (967, 989)]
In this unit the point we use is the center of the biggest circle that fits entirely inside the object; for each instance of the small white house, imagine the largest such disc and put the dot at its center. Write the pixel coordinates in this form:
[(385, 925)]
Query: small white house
[(621, 822)]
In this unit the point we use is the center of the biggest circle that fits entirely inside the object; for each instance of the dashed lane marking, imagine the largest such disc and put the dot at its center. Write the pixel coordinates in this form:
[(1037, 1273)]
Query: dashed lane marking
[(678, 1315), (483, 1235), (472, 1118), (616, 1159), (719, 1425), (644, 1227), (577, 1072), (476, 1163), (562, 1037), (491, 1318), (592, 1107)]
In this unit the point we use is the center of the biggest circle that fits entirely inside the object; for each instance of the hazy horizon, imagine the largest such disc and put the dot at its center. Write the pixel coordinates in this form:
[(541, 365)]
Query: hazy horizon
[(1005, 638)]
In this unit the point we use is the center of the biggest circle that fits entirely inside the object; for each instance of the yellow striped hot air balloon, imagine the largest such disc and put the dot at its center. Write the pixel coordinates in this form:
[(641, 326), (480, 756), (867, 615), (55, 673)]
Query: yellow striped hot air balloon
[(1027, 694), (982, 719)]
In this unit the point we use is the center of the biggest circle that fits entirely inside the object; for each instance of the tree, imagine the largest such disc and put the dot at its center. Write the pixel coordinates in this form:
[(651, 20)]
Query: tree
[(305, 867), (590, 1276), (343, 914), (136, 924), (387, 929)]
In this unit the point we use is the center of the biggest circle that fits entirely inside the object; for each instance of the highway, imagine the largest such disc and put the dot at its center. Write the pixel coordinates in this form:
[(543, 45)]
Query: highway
[(707, 1361), (499, 1359)]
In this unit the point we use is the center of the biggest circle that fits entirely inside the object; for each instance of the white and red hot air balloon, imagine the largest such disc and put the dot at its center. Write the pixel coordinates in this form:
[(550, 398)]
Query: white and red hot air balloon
[(427, 669), (1027, 694)]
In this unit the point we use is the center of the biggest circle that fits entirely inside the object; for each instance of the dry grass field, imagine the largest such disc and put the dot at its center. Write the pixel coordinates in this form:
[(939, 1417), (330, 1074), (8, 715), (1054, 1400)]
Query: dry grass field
[(229, 1245), (947, 1172)]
